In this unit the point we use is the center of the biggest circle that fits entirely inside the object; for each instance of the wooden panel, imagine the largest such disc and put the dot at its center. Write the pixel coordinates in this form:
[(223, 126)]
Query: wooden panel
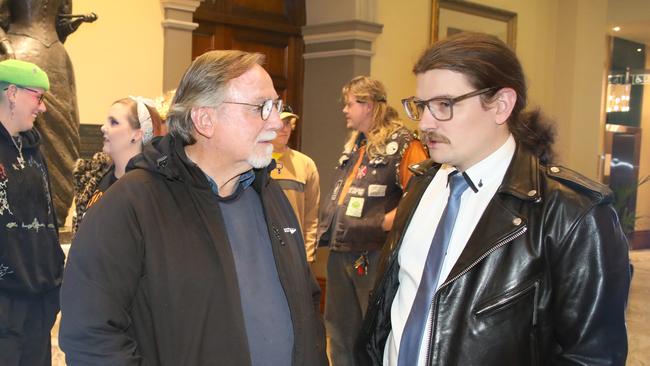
[(91, 140), (270, 27), (275, 7), (274, 46), (202, 41)]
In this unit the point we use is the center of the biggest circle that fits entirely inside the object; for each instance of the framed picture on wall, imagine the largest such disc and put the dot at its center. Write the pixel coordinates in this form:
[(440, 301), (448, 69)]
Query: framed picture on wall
[(454, 16)]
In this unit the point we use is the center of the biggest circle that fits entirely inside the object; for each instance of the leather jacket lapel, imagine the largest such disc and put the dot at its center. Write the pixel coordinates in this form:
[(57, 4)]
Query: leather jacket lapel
[(505, 217)]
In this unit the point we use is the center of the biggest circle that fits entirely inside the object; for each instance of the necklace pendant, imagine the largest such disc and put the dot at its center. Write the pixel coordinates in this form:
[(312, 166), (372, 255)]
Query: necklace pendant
[(21, 163)]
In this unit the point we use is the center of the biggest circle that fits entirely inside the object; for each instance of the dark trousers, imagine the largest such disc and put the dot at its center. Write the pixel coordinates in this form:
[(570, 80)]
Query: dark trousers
[(25, 324), (346, 301)]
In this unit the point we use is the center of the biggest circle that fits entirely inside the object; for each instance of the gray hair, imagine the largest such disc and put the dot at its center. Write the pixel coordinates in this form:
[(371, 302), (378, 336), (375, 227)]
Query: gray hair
[(205, 84)]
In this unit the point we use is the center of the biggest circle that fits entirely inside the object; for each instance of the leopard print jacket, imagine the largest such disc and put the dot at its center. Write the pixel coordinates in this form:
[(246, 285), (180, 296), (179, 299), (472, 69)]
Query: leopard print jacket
[(86, 176)]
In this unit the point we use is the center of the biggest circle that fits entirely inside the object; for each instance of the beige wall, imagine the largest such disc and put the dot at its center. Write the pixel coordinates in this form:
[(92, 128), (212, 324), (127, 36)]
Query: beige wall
[(578, 95), (331, 11), (118, 55), (564, 65), (404, 37)]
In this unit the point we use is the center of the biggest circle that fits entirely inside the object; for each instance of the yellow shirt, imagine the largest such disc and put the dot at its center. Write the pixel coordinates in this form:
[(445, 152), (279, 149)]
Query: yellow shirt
[(297, 175)]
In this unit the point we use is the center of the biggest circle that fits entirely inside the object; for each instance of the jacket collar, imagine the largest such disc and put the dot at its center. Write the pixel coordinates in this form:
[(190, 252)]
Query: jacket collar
[(166, 156), (522, 177), (31, 138)]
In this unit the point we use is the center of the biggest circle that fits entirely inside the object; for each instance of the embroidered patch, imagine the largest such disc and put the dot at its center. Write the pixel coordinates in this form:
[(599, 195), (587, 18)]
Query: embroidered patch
[(4, 202), (362, 172), (376, 190), (337, 187), (4, 270), (35, 225), (356, 191)]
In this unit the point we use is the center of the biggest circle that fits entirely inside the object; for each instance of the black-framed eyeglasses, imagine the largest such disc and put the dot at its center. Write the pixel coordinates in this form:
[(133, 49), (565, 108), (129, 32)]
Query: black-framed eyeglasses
[(441, 108), (266, 107), (39, 96)]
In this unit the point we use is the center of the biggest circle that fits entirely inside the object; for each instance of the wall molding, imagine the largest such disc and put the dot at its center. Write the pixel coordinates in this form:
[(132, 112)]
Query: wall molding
[(183, 5), (340, 36), (336, 34), (338, 53), (179, 24)]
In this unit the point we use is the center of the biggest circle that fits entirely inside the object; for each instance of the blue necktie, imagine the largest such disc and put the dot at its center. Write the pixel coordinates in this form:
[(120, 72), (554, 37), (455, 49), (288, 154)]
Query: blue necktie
[(415, 324)]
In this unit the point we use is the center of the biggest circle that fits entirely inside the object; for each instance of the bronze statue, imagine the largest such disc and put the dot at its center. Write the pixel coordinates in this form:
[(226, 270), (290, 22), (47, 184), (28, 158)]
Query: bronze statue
[(34, 31)]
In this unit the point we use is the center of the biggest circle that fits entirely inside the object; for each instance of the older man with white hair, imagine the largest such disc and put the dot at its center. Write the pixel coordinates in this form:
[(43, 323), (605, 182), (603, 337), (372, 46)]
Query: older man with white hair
[(193, 257)]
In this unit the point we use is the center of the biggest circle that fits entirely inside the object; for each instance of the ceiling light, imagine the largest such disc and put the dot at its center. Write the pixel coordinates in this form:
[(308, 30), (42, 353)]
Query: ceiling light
[(616, 29), (638, 50)]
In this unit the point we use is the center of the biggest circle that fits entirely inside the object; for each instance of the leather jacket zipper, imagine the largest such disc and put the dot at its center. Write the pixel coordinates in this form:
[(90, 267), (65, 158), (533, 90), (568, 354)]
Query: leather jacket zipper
[(510, 298), (519, 232)]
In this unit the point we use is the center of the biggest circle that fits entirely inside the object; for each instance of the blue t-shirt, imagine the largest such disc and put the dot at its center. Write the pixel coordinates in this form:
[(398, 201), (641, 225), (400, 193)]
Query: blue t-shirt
[(266, 312)]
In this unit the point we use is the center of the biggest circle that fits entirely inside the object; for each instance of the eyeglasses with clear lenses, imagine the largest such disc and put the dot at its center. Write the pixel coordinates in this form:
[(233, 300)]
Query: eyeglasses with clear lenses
[(39, 96), (441, 108), (266, 107)]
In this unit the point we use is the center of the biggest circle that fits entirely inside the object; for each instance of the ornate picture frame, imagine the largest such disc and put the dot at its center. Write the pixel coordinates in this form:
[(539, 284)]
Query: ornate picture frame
[(453, 16)]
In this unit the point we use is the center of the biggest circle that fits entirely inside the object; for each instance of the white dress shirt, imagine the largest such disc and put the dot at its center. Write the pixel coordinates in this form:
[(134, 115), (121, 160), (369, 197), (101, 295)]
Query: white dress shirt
[(487, 176)]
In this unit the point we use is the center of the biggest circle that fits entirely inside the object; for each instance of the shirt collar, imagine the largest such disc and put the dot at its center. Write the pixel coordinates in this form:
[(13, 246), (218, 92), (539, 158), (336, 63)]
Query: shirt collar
[(493, 166), (245, 180)]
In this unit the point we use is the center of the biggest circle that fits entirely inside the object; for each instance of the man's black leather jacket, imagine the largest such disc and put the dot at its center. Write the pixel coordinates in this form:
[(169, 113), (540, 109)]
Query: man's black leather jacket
[(543, 280)]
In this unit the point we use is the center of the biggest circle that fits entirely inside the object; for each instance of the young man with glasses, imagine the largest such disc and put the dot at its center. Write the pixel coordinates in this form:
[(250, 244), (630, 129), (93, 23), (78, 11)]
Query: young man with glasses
[(194, 256), (497, 256), (31, 260), (297, 175)]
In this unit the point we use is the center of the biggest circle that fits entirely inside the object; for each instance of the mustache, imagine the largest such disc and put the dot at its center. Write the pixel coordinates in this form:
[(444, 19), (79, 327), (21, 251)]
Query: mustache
[(267, 136), (427, 136)]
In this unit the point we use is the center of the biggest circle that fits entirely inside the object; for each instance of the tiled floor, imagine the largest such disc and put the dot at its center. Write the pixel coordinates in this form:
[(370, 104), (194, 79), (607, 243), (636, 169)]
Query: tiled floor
[(638, 315)]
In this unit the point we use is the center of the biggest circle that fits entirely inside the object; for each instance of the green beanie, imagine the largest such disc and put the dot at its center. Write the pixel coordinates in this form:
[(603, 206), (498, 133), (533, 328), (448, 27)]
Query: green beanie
[(25, 74)]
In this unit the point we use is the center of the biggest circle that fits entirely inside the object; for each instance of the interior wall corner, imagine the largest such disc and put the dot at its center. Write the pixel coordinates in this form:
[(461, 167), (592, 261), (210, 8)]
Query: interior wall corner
[(177, 27)]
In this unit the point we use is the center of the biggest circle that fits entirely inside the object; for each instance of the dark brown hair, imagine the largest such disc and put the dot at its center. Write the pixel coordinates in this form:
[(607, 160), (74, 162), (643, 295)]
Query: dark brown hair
[(488, 62)]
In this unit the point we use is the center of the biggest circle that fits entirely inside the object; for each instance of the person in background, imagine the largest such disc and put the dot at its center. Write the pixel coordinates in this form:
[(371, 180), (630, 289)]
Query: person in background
[(194, 257), (358, 212), (31, 259), (163, 103), (297, 175), (35, 31), (497, 255), (131, 123)]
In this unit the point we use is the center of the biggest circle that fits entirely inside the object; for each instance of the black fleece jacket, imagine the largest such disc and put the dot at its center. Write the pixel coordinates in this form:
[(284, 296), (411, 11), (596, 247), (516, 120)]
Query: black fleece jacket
[(151, 279), (31, 260)]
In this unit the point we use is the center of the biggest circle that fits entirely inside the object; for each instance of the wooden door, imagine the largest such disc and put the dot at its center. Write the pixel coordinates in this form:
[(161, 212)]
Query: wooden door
[(271, 27)]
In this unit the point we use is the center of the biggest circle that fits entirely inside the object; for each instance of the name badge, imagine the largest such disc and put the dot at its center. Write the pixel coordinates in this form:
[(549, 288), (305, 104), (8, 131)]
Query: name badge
[(355, 207), (356, 191), (376, 190)]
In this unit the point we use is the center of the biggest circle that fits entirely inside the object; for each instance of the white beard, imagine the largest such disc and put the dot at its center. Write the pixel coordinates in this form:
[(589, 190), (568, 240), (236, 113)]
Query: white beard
[(260, 159)]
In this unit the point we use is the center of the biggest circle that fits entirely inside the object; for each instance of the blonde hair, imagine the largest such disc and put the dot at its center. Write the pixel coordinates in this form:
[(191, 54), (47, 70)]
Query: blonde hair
[(205, 84), (385, 119)]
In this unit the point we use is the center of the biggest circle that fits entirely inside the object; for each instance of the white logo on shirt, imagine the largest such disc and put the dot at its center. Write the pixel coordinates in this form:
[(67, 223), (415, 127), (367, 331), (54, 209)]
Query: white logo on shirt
[(289, 230)]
